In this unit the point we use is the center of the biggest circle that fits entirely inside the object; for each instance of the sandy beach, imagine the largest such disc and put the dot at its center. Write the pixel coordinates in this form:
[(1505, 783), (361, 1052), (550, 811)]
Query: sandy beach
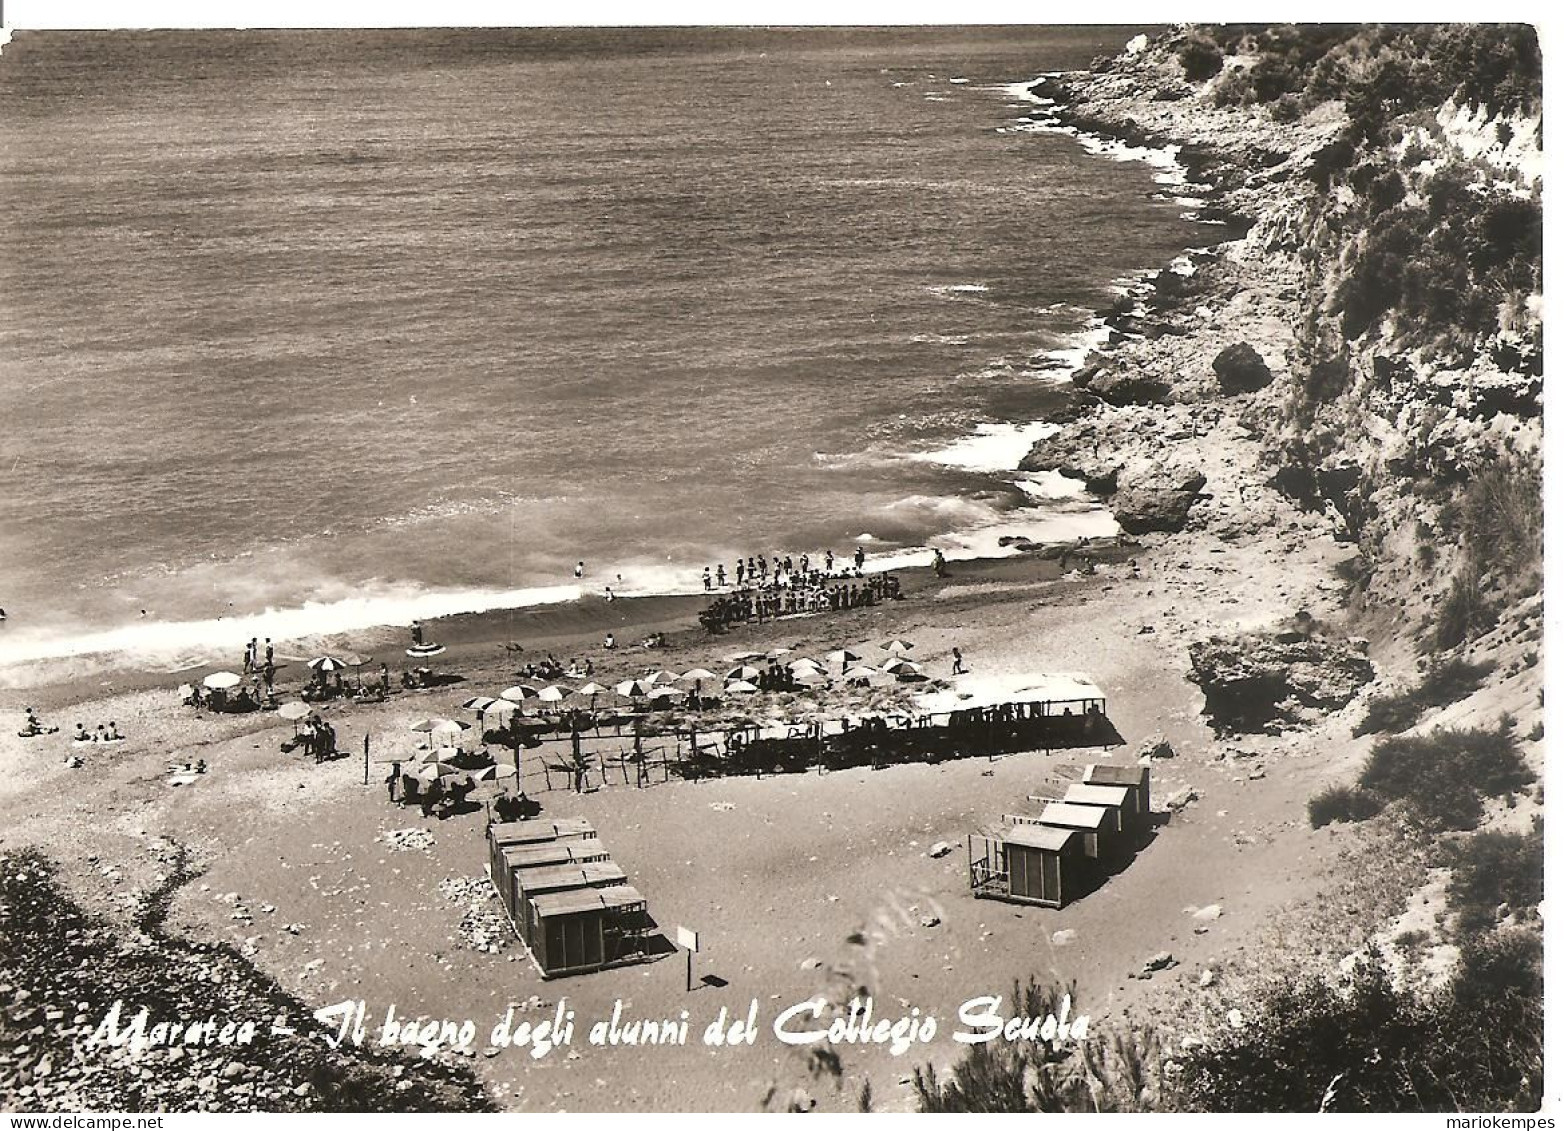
[(824, 883)]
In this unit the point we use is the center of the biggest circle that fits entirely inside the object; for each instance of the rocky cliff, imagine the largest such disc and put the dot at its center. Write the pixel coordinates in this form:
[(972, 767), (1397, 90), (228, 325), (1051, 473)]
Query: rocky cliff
[(1377, 329)]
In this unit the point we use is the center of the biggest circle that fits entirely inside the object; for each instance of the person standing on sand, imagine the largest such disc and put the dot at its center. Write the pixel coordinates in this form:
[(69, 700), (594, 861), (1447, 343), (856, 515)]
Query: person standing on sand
[(270, 653), (858, 559), (957, 667), (939, 564), (385, 680), (706, 578), (580, 570), (418, 635)]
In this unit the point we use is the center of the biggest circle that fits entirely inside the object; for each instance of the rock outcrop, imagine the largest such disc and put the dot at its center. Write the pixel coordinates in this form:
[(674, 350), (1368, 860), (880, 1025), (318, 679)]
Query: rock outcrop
[(1263, 682)]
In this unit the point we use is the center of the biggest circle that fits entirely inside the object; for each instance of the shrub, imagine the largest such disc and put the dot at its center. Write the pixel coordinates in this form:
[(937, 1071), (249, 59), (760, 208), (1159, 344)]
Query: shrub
[(1490, 868), (1443, 684), (1306, 1046), (1201, 58), (1119, 1071), (1342, 803), (1444, 776)]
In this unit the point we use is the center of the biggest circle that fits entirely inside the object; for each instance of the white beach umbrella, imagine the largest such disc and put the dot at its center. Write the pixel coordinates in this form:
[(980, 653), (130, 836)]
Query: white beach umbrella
[(519, 692), (633, 688), (810, 677), (499, 708), (698, 675), (741, 685), (222, 680), (840, 658), (591, 688), (663, 677), (806, 662), (552, 693), (294, 711), (437, 726), (899, 647)]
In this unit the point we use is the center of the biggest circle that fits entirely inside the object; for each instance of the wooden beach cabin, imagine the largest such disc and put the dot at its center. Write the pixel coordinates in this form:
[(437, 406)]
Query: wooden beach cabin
[(1119, 800), (1137, 777), (585, 929), (531, 857), (1094, 822), (1037, 864)]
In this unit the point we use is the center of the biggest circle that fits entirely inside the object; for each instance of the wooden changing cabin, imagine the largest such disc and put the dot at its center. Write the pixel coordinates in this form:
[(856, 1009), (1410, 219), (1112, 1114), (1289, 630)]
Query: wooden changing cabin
[(1095, 823), (567, 900), (587, 929), (1122, 800), (1137, 777), (1037, 864)]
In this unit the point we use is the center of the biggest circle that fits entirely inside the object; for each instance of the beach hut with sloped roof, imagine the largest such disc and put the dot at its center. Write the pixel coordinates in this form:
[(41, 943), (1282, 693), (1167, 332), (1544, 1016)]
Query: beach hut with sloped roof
[(1094, 822), (1137, 777), (1120, 799), (586, 929), (1037, 864), (532, 857)]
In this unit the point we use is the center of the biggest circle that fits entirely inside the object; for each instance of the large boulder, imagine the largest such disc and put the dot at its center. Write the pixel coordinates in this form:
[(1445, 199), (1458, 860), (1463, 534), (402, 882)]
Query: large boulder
[(1122, 387), (1265, 682), (1240, 369), (1156, 498)]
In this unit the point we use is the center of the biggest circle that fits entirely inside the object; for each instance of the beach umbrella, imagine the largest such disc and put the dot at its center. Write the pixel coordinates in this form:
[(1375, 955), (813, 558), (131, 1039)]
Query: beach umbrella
[(809, 677), (741, 685), (326, 664), (479, 703), (222, 680), (840, 658), (899, 666), (357, 662), (552, 693), (492, 773), (900, 647), (519, 692), (662, 677), (744, 672), (806, 662), (424, 651), (185, 691), (499, 707), (697, 675), (633, 688), (591, 688), (294, 711), (861, 674), (429, 771)]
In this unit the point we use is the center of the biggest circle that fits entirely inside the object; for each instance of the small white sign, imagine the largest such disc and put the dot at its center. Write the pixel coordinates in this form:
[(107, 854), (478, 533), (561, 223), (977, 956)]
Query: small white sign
[(688, 939)]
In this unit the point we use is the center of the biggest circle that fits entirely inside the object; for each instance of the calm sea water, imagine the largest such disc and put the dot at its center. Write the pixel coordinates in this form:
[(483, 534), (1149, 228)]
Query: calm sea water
[(376, 324)]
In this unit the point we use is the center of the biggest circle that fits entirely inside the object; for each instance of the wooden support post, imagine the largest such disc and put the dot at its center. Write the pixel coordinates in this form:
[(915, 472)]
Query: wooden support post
[(366, 759)]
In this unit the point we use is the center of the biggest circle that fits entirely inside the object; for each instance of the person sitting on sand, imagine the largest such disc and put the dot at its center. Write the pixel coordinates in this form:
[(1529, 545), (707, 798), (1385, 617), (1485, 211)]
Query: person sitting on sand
[(200, 766), (113, 734), (608, 641), (81, 734)]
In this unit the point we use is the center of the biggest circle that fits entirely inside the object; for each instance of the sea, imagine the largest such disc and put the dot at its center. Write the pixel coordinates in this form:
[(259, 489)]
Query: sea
[(305, 332)]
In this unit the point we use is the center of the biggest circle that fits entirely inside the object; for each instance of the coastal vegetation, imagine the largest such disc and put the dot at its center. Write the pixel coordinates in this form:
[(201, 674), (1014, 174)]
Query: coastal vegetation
[(1443, 683)]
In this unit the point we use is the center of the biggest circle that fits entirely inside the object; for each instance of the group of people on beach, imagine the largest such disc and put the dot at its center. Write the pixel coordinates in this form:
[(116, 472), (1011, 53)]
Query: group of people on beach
[(799, 595), (317, 737), (109, 733), (782, 571)]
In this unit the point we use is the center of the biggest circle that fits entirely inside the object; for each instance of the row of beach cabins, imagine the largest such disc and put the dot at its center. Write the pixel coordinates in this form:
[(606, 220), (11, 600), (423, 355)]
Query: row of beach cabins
[(1058, 855), (566, 899)]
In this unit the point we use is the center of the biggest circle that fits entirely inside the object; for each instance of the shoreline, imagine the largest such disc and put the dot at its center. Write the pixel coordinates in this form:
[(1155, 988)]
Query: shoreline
[(139, 654)]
